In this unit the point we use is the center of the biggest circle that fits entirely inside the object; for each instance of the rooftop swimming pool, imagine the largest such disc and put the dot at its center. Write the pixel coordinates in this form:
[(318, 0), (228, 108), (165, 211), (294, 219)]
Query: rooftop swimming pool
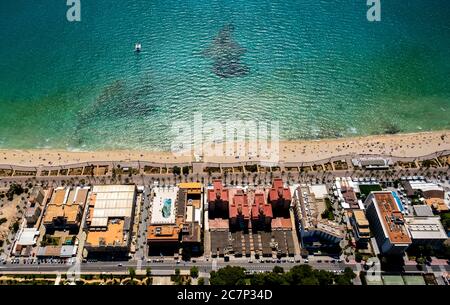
[(166, 210), (398, 201)]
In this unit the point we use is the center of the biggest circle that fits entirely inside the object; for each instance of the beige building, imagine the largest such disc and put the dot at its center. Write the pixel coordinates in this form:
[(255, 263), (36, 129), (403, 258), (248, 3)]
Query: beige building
[(109, 220), (308, 209), (426, 230), (360, 226), (65, 209)]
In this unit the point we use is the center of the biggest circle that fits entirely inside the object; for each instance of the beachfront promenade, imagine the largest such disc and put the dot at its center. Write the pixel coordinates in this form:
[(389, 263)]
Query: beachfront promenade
[(198, 167), (106, 168)]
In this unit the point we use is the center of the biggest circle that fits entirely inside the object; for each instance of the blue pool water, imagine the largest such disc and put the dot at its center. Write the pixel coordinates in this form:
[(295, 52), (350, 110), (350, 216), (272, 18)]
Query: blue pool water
[(167, 206), (398, 201)]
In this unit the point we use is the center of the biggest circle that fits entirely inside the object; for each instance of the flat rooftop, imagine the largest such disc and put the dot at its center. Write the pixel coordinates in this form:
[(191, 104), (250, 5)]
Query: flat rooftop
[(280, 223), (219, 242), (27, 237), (81, 195), (112, 236), (191, 233), (189, 205), (59, 196), (163, 206), (218, 224), (111, 201), (319, 190), (194, 192), (424, 186), (360, 218), (437, 204), (66, 203), (391, 218), (311, 209), (349, 195), (191, 185), (163, 233), (68, 211), (425, 227), (422, 210)]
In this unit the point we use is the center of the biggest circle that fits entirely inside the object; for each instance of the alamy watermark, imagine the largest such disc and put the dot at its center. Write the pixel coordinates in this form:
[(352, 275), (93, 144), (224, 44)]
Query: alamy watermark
[(74, 11), (244, 140), (73, 273), (374, 11)]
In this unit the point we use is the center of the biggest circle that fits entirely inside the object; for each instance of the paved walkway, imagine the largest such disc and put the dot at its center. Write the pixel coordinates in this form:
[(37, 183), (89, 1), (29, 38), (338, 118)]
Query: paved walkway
[(294, 235)]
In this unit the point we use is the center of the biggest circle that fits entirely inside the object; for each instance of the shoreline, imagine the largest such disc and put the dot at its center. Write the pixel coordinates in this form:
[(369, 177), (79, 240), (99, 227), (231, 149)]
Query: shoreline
[(396, 145)]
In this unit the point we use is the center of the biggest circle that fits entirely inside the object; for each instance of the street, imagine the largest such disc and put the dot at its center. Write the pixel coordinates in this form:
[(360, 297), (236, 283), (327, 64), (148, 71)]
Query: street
[(168, 267)]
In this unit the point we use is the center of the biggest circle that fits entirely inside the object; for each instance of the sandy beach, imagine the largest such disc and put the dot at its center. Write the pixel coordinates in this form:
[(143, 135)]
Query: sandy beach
[(399, 145)]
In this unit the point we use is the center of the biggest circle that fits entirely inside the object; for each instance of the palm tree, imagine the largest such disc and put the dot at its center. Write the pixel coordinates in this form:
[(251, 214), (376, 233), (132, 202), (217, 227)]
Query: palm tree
[(132, 272)]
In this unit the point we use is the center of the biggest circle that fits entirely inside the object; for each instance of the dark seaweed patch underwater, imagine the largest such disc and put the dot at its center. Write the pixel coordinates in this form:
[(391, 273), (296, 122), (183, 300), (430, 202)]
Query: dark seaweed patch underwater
[(226, 54)]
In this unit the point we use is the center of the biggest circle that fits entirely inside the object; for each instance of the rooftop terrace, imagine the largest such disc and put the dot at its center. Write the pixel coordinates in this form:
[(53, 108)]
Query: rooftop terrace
[(163, 233), (67, 204), (391, 218), (425, 228), (163, 206), (112, 236)]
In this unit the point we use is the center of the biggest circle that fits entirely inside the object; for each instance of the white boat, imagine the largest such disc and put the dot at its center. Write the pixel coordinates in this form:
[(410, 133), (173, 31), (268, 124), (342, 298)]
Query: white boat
[(137, 47)]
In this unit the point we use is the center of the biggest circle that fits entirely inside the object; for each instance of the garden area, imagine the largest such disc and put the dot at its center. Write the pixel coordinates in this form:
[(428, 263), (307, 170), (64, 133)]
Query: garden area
[(329, 211), (298, 275), (365, 190)]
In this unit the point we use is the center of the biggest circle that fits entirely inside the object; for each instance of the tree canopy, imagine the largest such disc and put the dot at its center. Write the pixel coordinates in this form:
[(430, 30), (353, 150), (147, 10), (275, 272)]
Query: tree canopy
[(298, 275), (194, 271), (228, 276), (14, 189)]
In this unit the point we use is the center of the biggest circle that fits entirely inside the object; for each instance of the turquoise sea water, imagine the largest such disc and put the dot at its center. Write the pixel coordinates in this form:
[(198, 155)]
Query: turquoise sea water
[(316, 66)]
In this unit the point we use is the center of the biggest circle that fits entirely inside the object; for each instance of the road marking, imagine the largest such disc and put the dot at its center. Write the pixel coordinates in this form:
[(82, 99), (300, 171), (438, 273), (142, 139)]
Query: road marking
[(58, 278)]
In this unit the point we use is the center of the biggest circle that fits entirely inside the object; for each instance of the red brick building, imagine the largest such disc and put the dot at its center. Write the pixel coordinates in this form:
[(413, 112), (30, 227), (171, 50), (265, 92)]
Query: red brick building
[(261, 213), (218, 201), (239, 212), (280, 199)]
